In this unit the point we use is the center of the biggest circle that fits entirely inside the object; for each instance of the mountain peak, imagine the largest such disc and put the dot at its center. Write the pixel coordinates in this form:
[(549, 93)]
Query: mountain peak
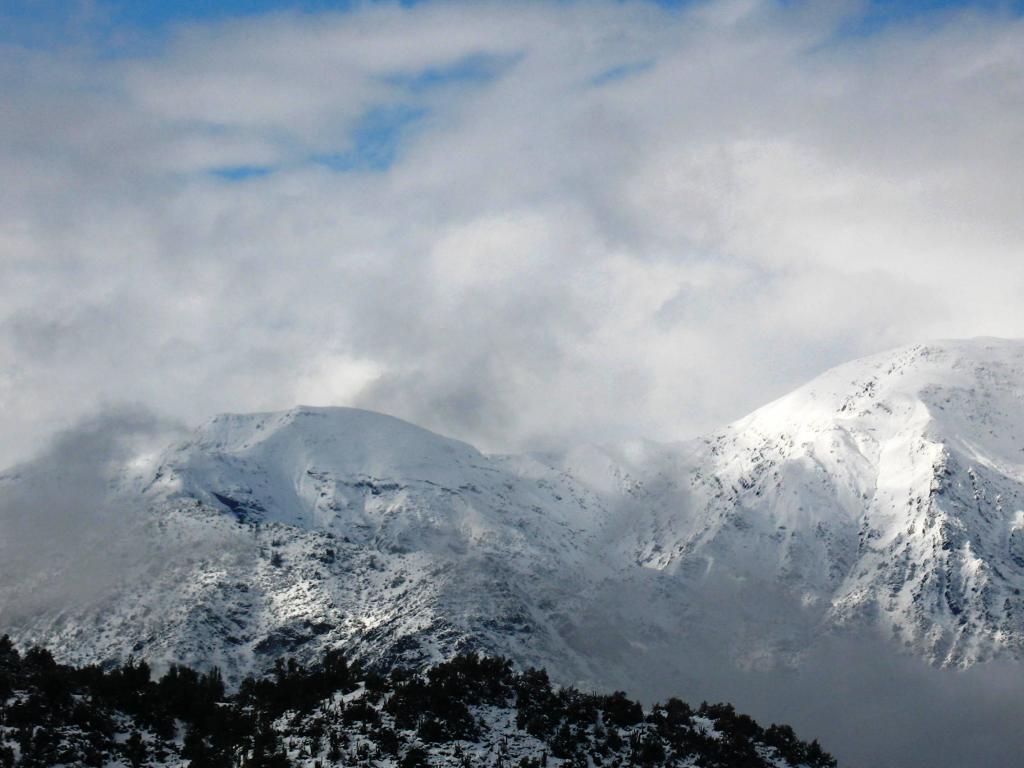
[(906, 383), (308, 424), (893, 488), (287, 465)]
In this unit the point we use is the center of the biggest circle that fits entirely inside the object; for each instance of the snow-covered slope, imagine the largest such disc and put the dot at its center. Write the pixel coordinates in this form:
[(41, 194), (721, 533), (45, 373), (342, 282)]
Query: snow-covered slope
[(282, 533), (887, 494)]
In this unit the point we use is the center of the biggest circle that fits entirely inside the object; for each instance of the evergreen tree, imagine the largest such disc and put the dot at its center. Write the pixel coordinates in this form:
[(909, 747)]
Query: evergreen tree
[(135, 750)]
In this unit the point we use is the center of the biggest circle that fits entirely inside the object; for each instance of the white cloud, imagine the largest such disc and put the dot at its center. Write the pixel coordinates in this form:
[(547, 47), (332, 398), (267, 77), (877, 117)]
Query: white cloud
[(552, 256)]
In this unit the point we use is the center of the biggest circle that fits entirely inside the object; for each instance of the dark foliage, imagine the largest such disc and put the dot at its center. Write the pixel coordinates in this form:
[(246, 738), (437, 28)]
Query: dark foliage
[(56, 714)]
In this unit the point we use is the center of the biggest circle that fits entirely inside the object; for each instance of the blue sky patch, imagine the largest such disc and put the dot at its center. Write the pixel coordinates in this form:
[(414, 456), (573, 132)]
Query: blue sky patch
[(881, 14), (475, 68), (47, 23), (622, 72), (110, 23), (375, 139), (242, 172)]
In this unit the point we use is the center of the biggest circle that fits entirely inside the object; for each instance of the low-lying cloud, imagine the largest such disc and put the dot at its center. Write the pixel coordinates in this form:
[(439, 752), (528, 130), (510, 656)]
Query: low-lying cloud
[(874, 708), (867, 700), (67, 516)]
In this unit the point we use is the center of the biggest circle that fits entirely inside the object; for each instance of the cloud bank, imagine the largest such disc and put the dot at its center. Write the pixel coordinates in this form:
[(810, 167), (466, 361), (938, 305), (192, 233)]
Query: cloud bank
[(525, 225), (68, 525)]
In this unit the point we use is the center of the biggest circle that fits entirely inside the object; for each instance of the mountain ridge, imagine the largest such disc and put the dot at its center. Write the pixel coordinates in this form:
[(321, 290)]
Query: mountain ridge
[(884, 495)]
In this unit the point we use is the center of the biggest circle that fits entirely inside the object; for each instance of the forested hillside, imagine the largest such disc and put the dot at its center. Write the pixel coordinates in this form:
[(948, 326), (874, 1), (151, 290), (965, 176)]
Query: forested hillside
[(469, 711)]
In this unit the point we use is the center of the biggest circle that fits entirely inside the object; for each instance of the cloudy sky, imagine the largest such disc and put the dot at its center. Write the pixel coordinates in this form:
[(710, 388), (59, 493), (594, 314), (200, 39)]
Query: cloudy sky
[(524, 224)]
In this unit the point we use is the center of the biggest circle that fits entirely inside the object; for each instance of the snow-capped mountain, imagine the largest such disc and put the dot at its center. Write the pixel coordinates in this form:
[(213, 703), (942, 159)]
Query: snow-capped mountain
[(887, 494), (282, 533)]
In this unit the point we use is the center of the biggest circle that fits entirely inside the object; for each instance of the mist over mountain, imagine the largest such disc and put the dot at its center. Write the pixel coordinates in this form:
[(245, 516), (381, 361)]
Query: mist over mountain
[(849, 553), (588, 334)]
